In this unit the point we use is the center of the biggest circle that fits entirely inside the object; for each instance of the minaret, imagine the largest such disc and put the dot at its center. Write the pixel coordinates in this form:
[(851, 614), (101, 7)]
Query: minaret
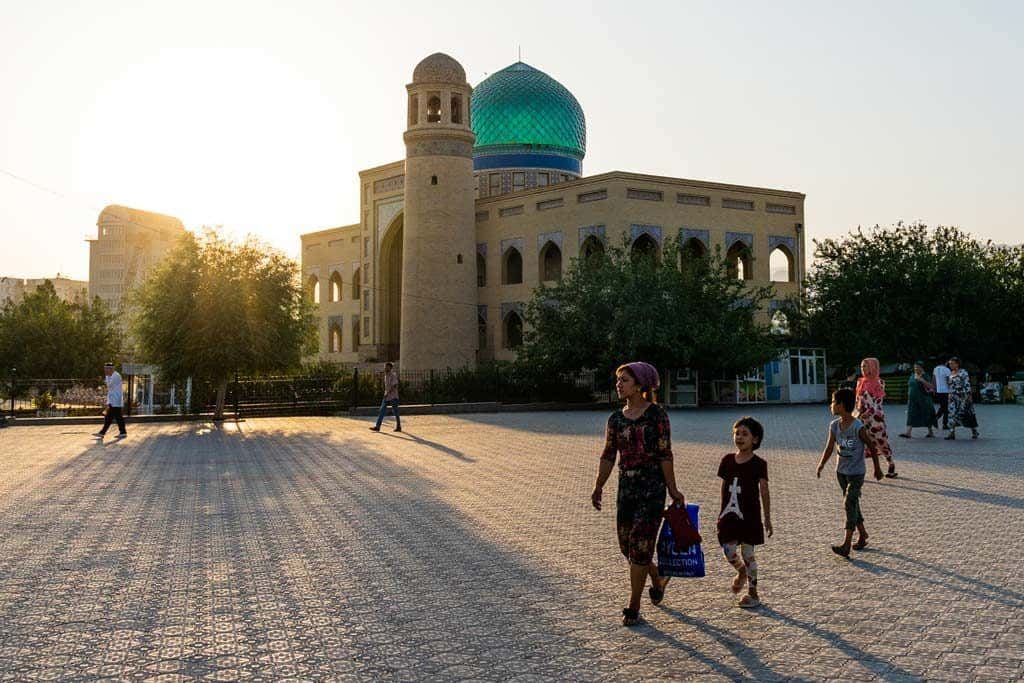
[(439, 294)]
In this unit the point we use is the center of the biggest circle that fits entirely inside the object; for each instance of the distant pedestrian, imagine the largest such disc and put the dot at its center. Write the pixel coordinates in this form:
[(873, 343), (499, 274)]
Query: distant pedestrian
[(390, 398), (854, 441), (641, 436), (115, 402), (941, 375), (851, 380), (961, 403), (870, 394), (920, 408), (744, 478)]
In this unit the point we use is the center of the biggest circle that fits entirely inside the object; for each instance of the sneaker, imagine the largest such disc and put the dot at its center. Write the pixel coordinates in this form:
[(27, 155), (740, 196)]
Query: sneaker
[(99, 435), (122, 435)]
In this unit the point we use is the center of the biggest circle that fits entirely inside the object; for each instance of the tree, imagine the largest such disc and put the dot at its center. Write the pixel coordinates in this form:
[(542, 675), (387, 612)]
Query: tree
[(212, 309), (906, 292), (45, 337), (615, 307)]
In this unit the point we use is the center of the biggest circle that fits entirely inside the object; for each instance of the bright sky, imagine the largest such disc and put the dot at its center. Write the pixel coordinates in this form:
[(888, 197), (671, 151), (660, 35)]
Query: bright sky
[(258, 116)]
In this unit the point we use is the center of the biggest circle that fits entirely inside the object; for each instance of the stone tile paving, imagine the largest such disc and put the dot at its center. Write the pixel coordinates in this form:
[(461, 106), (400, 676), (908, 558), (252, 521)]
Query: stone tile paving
[(466, 549)]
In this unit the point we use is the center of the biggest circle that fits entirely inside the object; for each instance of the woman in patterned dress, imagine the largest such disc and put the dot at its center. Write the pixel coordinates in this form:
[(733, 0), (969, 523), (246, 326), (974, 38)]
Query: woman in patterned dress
[(961, 403), (870, 393), (641, 435)]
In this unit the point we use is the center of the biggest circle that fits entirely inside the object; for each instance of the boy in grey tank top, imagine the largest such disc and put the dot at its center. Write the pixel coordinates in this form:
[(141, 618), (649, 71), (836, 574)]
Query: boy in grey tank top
[(854, 441)]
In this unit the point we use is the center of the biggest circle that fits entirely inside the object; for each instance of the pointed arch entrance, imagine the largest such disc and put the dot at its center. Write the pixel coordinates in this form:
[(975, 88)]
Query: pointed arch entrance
[(390, 296)]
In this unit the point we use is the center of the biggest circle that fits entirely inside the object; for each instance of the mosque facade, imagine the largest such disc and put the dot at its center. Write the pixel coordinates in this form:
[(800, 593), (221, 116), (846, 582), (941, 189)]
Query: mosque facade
[(491, 202)]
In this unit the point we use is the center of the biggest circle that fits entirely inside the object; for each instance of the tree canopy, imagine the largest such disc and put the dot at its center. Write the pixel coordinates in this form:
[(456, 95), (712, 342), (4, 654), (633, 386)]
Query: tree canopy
[(907, 292), (44, 336), (213, 308), (616, 306)]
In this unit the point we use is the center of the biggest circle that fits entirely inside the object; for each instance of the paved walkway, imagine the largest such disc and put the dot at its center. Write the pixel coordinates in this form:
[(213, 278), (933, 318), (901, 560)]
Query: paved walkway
[(466, 548)]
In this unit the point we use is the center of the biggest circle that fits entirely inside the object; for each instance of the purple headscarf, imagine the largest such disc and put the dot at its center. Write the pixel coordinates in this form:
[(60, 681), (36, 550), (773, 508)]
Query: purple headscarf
[(646, 374)]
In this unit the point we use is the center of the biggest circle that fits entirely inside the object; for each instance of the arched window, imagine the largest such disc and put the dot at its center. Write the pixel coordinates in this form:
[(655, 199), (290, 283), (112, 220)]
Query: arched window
[(739, 262), (692, 250), (591, 247), (513, 331), (356, 290), (355, 335), (780, 265), (644, 246), (481, 332), (481, 270), (512, 267), (780, 323), (336, 286), (550, 263), (313, 288), (433, 109), (456, 108), (334, 338)]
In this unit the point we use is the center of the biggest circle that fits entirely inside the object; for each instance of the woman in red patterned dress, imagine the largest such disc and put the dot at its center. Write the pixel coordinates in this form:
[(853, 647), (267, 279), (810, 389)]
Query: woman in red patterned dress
[(870, 393)]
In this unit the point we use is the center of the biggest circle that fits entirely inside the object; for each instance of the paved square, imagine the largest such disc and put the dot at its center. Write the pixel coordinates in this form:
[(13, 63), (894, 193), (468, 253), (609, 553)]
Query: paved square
[(466, 548)]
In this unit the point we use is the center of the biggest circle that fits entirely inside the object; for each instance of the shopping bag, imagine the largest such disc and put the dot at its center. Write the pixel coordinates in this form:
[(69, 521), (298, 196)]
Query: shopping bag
[(687, 562), (684, 531)]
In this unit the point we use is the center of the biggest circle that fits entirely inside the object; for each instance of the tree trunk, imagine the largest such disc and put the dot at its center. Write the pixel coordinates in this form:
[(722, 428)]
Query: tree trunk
[(222, 390)]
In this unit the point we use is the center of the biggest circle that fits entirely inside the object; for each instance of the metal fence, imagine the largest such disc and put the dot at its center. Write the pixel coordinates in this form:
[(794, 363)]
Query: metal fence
[(326, 392)]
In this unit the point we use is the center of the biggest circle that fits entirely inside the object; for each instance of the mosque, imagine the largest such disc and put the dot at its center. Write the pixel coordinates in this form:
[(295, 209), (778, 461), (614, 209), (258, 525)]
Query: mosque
[(491, 202)]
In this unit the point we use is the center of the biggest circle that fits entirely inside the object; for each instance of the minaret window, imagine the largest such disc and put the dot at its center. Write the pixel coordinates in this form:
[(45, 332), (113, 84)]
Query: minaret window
[(434, 108), (456, 108), (518, 181), (493, 184)]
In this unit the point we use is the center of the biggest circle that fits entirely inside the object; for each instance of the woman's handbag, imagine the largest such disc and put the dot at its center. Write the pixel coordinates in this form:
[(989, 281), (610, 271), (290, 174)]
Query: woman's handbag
[(683, 558)]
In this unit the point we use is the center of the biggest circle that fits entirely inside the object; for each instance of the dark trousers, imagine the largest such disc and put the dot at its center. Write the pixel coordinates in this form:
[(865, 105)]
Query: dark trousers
[(113, 413), (943, 412), (851, 485), (384, 409)]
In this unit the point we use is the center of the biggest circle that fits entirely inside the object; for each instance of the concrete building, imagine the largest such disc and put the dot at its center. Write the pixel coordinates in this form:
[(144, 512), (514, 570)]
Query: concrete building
[(491, 202), (14, 288), (128, 243)]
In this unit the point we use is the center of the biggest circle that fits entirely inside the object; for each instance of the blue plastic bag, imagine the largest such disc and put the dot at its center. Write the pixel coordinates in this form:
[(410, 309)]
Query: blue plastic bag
[(682, 562)]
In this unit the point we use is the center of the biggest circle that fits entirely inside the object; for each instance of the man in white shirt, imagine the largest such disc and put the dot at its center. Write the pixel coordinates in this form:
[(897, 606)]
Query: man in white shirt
[(390, 398), (941, 374), (115, 402)]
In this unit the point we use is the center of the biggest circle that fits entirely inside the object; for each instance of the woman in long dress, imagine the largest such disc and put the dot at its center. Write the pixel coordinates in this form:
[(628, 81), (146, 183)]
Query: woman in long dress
[(870, 394), (961, 403), (920, 407)]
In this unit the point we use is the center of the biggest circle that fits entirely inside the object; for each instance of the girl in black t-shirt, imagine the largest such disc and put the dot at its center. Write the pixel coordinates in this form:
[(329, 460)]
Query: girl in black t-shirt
[(744, 488)]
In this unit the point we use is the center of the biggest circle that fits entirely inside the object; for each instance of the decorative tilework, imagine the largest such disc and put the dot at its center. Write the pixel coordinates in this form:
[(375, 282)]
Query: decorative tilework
[(694, 199), (741, 204), (386, 213), (787, 209), (545, 237), (550, 204), (776, 305), (746, 238), (595, 196), (788, 241), (509, 307), (516, 242), (647, 195), (704, 236), (388, 184), (592, 231), (510, 211), (481, 248), (313, 270), (338, 320), (637, 229)]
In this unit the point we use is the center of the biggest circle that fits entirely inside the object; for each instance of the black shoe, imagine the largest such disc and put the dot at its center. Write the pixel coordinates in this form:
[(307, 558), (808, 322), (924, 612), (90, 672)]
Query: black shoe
[(122, 435), (841, 550), (891, 474), (397, 429), (374, 429)]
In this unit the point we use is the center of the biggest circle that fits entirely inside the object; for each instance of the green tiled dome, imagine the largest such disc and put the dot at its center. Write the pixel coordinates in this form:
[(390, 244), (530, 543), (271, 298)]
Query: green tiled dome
[(522, 108)]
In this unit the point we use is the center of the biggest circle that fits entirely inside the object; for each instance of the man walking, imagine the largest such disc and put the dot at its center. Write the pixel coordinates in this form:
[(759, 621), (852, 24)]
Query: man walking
[(941, 374), (115, 402), (390, 398)]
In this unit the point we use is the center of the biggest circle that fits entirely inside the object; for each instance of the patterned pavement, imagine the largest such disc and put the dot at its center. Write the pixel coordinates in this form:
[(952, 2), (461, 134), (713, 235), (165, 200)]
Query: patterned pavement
[(466, 549)]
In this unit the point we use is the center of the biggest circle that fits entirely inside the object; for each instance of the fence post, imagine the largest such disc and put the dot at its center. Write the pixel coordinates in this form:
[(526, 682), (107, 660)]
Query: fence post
[(13, 371), (355, 387), (235, 390)]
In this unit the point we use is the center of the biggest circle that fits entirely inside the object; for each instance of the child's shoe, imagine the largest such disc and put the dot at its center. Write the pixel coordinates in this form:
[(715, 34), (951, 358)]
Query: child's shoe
[(749, 602), (843, 550), (739, 581)]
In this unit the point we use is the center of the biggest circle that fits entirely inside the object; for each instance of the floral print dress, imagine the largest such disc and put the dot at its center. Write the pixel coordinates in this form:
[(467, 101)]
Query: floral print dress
[(961, 405), (642, 445), (869, 411)]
